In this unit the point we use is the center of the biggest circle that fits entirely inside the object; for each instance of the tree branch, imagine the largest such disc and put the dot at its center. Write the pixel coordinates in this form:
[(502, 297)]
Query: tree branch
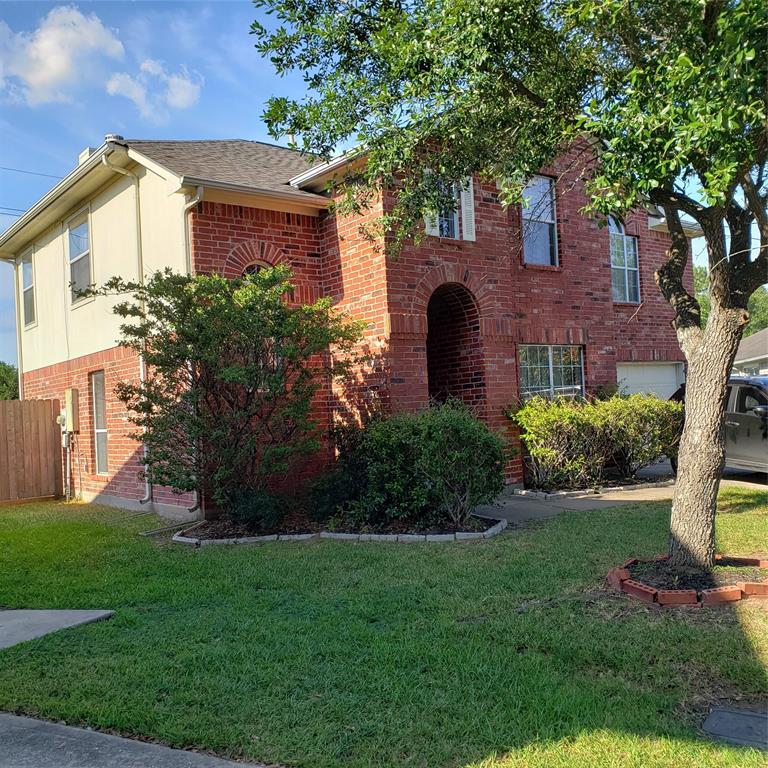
[(669, 277), (669, 199)]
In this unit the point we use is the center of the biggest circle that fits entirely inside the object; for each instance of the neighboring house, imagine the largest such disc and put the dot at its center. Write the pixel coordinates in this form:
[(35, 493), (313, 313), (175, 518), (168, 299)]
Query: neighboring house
[(493, 305), (752, 355)]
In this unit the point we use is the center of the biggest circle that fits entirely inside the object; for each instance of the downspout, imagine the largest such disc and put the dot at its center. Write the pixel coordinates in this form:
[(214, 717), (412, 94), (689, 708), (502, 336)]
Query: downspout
[(19, 329), (140, 265), (188, 206)]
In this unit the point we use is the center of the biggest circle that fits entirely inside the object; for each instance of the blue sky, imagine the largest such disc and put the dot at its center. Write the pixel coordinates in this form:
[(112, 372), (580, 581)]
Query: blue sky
[(70, 73)]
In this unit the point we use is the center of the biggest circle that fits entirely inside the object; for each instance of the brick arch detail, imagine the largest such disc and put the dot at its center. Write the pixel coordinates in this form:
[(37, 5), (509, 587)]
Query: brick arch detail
[(249, 252), (451, 273)]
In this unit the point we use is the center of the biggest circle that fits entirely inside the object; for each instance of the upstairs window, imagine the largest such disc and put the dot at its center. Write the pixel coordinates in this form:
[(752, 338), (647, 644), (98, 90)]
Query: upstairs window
[(550, 371), (625, 272), (539, 222), (457, 223), (28, 289), (79, 256)]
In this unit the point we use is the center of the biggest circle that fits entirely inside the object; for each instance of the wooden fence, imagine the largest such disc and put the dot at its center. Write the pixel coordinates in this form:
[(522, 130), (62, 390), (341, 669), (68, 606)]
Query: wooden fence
[(30, 449)]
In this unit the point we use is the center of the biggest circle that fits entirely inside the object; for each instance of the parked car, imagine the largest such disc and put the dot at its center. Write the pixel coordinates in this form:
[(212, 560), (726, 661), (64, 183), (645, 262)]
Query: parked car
[(746, 423)]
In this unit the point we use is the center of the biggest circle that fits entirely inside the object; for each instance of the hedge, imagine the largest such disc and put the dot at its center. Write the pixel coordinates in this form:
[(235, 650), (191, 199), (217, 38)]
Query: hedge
[(573, 443)]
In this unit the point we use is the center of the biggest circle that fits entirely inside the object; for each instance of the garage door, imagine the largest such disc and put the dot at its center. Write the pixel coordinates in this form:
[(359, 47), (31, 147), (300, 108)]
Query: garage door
[(660, 379)]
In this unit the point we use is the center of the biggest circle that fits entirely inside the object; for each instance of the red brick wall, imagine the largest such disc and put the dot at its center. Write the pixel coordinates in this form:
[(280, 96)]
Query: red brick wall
[(124, 455), (503, 303), (227, 238)]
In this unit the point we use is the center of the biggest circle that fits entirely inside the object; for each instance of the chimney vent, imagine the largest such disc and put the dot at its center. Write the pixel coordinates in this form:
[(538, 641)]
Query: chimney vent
[(84, 155), (114, 138)]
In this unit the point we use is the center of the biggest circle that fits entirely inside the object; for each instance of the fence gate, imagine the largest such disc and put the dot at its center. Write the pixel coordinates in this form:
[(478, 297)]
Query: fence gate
[(30, 449)]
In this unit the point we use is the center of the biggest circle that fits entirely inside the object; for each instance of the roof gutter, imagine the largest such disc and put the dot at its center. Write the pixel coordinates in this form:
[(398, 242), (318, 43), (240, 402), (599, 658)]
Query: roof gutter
[(324, 168), (63, 186), (307, 198)]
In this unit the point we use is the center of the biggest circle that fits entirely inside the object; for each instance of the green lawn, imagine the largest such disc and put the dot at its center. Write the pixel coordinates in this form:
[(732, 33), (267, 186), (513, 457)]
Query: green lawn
[(500, 653)]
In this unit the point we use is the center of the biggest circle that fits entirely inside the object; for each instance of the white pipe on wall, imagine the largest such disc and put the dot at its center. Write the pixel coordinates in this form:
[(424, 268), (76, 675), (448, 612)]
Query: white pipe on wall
[(140, 266)]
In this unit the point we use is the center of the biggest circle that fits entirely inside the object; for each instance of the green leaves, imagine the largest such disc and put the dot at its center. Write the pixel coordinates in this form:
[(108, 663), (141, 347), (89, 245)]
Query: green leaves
[(232, 369)]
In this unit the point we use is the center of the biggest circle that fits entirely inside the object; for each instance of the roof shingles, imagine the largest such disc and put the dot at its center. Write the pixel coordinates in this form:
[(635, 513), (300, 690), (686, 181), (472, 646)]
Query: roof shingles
[(239, 162)]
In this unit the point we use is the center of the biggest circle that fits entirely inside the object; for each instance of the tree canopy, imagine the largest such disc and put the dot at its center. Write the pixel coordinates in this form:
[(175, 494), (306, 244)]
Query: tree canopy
[(9, 382), (672, 95)]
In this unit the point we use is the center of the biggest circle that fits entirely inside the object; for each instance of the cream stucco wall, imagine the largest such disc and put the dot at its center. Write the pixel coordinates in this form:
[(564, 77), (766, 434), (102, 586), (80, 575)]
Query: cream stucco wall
[(64, 331)]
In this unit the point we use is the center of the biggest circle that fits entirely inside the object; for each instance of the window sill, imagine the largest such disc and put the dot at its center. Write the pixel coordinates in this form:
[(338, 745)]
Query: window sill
[(31, 326), (543, 267), (634, 304), (81, 302)]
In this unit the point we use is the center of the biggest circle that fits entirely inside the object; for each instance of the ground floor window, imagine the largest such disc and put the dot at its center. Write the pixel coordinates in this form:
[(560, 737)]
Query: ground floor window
[(550, 371), (99, 422)]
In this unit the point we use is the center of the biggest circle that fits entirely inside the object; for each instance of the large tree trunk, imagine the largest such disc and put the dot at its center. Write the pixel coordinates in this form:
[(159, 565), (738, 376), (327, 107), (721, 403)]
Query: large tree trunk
[(702, 447)]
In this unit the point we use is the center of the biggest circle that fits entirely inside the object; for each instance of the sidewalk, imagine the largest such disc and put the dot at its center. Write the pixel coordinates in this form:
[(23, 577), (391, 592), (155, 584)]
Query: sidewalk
[(520, 509), (28, 743)]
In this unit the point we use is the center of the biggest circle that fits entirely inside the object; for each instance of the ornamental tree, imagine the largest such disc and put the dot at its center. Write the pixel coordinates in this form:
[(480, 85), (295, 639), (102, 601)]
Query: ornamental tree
[(670, 96), (232, 368), (9, 382)]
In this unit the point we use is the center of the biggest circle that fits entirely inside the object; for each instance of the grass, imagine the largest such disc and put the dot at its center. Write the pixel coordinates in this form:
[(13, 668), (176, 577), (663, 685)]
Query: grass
[(502, 653)]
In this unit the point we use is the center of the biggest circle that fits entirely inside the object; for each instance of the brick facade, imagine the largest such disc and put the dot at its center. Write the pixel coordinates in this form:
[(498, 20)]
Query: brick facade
[(444, 317), (124, 465)]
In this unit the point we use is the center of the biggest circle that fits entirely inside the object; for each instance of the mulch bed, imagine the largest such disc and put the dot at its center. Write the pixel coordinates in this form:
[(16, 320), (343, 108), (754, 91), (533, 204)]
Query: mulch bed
[(298, 522), (661, 575)]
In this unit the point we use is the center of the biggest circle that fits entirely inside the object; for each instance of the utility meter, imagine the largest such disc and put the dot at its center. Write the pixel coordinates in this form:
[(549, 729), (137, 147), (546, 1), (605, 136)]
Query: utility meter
[(71, 410)]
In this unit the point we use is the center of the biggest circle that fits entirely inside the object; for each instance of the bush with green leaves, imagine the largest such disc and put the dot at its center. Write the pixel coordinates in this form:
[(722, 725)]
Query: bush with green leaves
[(565, 441), (232, 369), (571, 443), (9, 382), (640, 430), (425, 469), (256, 509)]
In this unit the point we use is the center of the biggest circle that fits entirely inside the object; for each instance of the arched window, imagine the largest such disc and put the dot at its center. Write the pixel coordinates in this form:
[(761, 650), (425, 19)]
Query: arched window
[(255, 268), (625, 269)]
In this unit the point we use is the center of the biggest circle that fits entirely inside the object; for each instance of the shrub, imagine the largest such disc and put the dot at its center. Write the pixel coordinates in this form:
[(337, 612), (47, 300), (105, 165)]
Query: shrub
[(432, 467), (640, 430), (232, 369), (255, 508), (570, 443), (565, 442)]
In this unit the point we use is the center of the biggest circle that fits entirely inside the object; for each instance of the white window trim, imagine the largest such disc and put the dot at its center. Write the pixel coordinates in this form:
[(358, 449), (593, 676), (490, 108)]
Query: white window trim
[(86, 209), (97, 471), (550, 348), (463, 214), (553, 222), (622, 232), (22, 290)]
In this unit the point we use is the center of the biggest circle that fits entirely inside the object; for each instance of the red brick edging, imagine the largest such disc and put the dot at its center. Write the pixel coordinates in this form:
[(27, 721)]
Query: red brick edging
[(621, 580)]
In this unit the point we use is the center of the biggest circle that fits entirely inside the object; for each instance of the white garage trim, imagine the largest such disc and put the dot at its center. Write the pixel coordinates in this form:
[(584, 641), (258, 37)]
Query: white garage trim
[(660, 379)]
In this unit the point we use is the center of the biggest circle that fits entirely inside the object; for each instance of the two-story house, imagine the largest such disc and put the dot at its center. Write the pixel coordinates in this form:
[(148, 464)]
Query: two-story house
[(493, 305)]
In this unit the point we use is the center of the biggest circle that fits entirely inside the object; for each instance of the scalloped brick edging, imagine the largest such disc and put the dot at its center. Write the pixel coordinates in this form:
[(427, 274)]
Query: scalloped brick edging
[(399, 538), (547, 496), (620, 579)]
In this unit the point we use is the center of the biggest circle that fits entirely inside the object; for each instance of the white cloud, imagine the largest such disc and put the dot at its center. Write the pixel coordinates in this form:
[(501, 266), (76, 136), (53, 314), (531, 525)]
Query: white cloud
[(154, 91), (45, 65)]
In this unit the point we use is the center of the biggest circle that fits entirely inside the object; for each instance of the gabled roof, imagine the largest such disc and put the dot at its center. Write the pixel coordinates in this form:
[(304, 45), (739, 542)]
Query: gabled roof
[(753, 347), (237, 165), (229, 162)]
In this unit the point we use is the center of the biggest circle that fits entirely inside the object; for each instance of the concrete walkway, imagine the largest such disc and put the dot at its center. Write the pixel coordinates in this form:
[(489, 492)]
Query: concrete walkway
[(28, 743), (521, 509), (22, 625)]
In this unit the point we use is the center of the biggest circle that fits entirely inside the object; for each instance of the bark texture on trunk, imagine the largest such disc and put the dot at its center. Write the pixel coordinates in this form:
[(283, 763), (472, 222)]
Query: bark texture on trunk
[(702, 447)]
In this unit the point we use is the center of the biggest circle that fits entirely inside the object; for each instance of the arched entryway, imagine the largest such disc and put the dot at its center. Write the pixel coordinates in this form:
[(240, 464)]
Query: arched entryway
[(454, 346)]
